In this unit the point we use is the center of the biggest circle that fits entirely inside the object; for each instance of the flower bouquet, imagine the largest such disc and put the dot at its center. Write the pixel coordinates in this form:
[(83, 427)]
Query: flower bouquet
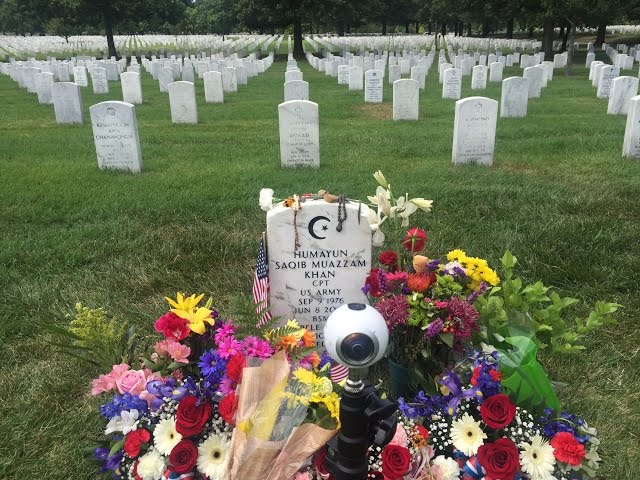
[(476, 431), (428, 303), (183, 411)]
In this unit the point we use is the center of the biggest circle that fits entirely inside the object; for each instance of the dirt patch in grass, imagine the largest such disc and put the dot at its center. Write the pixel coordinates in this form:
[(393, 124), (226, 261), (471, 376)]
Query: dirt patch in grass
[(376, 111)]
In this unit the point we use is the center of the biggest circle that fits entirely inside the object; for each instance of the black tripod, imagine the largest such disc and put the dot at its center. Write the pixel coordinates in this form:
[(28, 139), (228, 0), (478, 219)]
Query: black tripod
[(366, 420)]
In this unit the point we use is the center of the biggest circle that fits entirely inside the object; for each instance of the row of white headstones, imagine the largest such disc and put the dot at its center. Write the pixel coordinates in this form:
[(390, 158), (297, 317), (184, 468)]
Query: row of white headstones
[(21, 46), (622, 93), (114, 123), (475, 117)]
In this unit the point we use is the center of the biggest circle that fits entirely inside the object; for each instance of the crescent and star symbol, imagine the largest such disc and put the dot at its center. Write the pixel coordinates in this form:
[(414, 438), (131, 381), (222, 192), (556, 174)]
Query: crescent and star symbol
[(312, 225)]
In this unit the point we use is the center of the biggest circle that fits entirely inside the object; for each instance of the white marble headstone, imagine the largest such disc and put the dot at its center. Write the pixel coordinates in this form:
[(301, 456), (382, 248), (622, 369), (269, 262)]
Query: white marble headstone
[(495, 73), (607, 74), (229, 80), (515, 97), (165, 77), (631, 144), (293, 75), (356, 81), (343, 75), (474, 131), (80, 76), (534, 75), (479, 78), (182, 100), (299, 134), (373, 86), (406, 95), (44, 81), (115, 133), (67, 102), (452, 83), (622, 90), (213, 91), (131, 87), (394, 73), (327, 268), (99, 80), (296, 90)]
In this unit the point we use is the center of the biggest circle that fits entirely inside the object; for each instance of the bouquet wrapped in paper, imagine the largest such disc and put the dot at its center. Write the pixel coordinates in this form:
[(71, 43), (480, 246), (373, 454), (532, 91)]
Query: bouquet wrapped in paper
[(273, 435)]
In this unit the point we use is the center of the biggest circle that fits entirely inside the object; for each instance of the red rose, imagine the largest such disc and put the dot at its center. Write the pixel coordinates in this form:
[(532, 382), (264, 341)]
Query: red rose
[(191, 417), (499, 459), (389, 258), (134, 440), (395, 461), (497, 411), (227, 408), (414, 240), (567, 449), (172, 326), (184, 456), (235, 366)]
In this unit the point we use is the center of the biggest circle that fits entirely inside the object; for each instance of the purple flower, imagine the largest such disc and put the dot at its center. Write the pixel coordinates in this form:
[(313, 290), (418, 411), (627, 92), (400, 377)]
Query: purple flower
[(466, 315), (395, 310), (434, 328)]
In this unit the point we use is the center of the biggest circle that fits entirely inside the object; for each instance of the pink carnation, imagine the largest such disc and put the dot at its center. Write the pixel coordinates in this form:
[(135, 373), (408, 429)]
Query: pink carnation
[(178, 352), (400, 438)]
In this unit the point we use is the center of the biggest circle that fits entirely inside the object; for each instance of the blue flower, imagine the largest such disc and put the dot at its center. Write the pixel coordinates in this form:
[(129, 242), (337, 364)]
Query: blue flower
[(123, 402), (211, 364)]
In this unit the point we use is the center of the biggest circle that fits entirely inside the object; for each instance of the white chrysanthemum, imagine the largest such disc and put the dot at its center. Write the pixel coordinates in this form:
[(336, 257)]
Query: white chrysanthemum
[(165, 436), (536, 458), (448, 468), (466, 434), (151, 466), (213, 458)]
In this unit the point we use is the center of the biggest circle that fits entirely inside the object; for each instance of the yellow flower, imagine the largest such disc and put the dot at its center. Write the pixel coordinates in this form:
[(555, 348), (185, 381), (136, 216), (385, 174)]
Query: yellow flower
[(186, 307), (304, 376), (456, 255), (293, 324), (184, 303)]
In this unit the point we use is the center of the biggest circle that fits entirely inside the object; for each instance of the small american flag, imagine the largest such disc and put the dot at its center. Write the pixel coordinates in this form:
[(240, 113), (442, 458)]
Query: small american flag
[(338, 372), (261, 284)]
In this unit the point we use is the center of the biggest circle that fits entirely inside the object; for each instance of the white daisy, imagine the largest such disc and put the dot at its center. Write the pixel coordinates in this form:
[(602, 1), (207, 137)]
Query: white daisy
[(466, 434), (125, 422), (165, 436), (213, 458), (151, 466), (448, 468), (537, 458)]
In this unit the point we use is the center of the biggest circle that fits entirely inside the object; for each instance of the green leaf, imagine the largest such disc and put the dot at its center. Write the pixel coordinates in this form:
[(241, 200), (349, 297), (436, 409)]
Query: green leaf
[(523, 377), (447, 338), (116, 446), (508, 260), (59, 330)]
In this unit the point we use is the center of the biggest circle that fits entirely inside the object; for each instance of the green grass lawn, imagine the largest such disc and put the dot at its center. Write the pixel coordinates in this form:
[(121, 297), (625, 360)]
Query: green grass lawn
[(559, 196)]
